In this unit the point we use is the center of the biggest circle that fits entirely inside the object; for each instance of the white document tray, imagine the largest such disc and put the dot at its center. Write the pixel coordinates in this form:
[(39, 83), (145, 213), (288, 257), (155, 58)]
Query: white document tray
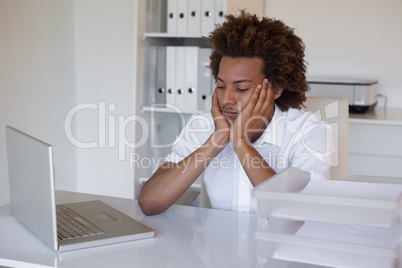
[(291, 194), (327, 244)]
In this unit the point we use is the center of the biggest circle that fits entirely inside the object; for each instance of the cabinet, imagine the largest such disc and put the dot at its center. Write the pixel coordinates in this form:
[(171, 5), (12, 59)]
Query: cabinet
[(164, 119), (375, 146)]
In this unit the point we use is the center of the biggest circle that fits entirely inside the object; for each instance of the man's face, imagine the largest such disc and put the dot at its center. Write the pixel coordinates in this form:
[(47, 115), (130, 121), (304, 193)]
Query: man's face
[(236, 80)]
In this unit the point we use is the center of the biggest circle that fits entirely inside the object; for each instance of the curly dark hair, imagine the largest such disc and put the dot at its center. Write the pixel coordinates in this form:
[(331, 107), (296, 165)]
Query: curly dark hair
[(271, 40)]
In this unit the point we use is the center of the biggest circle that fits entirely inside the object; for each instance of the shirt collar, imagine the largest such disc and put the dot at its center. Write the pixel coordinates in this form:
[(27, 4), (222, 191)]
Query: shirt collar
[(275, 131)]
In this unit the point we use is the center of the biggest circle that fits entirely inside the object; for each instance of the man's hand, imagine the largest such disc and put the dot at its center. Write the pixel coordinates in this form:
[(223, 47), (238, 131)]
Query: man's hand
[(248, 127), (256, 115), (222, 126)]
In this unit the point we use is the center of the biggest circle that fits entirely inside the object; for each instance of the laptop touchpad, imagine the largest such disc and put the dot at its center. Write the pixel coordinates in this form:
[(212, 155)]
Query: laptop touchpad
[(101, 216)]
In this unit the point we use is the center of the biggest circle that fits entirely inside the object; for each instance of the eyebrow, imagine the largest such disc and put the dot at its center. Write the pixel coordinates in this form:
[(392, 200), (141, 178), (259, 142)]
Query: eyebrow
[(237, 81)]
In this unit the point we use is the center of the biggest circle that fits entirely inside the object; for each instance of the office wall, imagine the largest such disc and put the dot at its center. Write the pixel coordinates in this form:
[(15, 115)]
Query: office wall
[(57, 56), (359, 38), (254, 7), (37, 83), (105, 61)]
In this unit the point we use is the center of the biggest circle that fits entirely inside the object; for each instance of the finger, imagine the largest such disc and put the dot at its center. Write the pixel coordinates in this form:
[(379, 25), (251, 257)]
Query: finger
[(256, 93), (249, 108), (262, 97), (267, 90), (270, 97), (215, 102)]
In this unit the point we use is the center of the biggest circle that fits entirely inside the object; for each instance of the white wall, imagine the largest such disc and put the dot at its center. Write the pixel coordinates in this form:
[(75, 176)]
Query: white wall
[(105, 60), (37, 84), (359, 38), (55, 55), (254, 6)]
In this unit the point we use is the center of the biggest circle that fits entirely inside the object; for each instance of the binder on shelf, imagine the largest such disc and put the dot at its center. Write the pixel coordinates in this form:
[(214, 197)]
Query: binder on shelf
[(213, 84), (150, 79), (185, 16), (181, 16), (179, 76), (191, 78), (180, 79), (170, 75), (219, 13), (204, 77), (193, 16), (156, 16), (207, 16), (160, 73), (172, 7)]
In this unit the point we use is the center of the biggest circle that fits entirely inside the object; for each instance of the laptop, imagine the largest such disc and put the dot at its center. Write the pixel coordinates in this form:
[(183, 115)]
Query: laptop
[(63, 227)]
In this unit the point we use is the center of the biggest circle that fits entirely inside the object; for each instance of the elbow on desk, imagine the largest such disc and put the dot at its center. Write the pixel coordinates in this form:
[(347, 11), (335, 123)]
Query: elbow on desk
[(149, 206)]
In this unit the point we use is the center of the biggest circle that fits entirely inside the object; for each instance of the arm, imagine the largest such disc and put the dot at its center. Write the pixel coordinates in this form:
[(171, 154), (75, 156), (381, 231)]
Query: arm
[(248, 127), (171, 180), (255, 166)]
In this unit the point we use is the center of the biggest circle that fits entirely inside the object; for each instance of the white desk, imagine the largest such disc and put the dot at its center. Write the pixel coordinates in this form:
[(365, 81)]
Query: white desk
[(185, 237)]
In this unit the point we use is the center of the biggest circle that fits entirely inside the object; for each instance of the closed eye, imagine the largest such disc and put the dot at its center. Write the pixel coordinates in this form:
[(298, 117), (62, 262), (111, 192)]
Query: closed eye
[(242, 89)]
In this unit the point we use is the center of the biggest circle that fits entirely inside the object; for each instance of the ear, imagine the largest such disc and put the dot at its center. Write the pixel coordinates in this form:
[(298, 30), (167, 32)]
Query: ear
[(278, 92)]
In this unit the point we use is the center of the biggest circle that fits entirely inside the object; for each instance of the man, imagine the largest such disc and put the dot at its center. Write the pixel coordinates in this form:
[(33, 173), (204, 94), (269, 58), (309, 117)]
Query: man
[(255, 128)]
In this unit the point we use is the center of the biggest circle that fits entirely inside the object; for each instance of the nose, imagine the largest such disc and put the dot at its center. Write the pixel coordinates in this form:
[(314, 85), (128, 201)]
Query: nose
[(229, 96)]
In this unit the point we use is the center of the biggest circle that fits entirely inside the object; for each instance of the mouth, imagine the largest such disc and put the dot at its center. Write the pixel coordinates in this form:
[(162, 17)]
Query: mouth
[(229, 113)]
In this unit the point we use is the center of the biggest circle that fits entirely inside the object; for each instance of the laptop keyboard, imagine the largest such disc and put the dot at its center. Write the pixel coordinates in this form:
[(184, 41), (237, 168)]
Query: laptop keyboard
[(70, 225)]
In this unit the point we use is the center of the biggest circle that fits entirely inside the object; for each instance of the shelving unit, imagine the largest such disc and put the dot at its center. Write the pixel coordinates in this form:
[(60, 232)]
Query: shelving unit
[(171, 35), (168, 39), (167, 122), (150, 109), (164, 123)]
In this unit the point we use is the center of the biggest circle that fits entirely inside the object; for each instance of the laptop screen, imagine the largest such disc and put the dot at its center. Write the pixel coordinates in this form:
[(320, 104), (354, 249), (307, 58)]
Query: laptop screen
[(31, 176)]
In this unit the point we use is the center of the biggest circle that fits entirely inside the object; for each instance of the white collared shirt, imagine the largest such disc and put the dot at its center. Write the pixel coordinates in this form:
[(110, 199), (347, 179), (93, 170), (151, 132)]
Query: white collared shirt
[(293, 138)]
